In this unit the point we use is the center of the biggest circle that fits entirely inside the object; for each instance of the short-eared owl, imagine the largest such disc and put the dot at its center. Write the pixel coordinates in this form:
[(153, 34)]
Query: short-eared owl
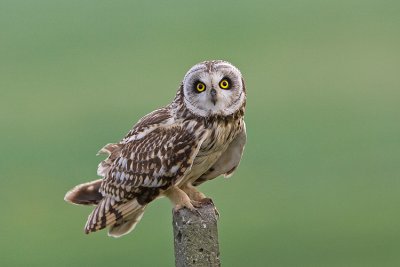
[(170, 151)]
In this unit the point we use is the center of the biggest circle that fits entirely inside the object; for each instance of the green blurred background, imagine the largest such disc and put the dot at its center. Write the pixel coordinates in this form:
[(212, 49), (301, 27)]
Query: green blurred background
[(319, 182)]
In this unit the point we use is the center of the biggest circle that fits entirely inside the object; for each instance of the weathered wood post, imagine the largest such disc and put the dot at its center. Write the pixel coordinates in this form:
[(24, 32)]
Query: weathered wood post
[(196, 237)]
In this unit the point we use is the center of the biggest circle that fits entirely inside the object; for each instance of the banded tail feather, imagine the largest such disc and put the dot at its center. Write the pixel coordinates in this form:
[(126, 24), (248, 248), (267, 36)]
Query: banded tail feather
[(127, 224), (120, 217)]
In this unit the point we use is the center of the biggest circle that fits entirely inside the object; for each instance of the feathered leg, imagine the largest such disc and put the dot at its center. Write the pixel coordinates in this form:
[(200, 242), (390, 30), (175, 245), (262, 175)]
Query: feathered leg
[(179, 198), (193, 193), (197, 198)]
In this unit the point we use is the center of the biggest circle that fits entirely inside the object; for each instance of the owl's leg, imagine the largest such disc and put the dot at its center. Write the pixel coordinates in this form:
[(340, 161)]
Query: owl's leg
[(193, 193), (197, 197), (179, 198)]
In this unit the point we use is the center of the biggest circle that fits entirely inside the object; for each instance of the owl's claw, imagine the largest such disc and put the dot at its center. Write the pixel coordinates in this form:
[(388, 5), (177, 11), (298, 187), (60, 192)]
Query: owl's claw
[(181, 200), (196, 204), (192, 205), (203, 202), (187, 205), (206, 201)]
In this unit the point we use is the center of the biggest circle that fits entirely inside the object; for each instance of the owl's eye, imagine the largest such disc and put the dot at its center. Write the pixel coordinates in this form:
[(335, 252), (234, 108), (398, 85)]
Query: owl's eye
[(200, 87), (224, 84)]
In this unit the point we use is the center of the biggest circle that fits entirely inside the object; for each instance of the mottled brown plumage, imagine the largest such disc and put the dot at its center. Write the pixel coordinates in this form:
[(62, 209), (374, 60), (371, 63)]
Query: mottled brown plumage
[(196, 138)]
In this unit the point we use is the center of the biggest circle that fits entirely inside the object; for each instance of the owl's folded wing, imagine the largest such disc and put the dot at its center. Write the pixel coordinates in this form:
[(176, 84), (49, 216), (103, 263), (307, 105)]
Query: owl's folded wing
[(155, 157)]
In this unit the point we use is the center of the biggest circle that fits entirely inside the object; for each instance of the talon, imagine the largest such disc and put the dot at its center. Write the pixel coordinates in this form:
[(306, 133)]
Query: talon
[(207, 201), (187, 205), (191, 207), (196, 204), (193, 193)]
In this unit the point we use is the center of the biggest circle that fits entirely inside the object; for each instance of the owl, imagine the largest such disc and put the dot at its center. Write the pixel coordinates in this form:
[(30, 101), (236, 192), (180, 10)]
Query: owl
[(169, 152)]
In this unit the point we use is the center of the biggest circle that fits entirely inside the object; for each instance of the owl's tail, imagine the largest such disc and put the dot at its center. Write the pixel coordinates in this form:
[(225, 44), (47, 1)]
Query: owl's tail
[(121, 217), (128, 223)]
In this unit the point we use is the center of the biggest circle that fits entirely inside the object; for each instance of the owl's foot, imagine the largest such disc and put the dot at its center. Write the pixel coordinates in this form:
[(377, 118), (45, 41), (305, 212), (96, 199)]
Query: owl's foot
[(189, 206), (180, 199), (197, 204), (204, 202), (198, 198), (193, 193)]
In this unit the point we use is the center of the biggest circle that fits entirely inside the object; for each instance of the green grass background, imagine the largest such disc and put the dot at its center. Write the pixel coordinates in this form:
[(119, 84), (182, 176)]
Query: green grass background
[(319, 183)]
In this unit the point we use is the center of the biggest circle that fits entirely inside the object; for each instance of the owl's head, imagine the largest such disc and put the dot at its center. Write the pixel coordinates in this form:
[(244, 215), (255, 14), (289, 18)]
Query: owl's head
[(213, 88)]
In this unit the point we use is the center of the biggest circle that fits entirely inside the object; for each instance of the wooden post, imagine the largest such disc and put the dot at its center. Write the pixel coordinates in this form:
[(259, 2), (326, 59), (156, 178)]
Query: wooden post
[(196, 237)]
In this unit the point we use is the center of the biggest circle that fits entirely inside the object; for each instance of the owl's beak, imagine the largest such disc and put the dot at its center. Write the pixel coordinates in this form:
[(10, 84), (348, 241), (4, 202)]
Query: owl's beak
[(213, 94)]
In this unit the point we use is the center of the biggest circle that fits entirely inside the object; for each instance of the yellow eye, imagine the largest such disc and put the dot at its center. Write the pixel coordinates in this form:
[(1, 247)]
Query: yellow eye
[(200, 87), (224, 84)]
